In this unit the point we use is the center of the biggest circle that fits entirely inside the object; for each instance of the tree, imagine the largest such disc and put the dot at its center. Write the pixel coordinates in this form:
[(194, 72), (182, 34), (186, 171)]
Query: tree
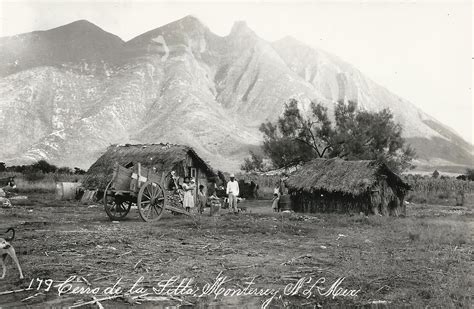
[(44, 167), (355, 135), (294, 139), (435, 174), (364, 135), (470, 174), (253, 163), (3, 167)]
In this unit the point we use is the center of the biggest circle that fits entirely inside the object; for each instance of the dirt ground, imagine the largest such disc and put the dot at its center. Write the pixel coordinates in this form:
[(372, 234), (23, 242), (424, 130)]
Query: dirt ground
[(292, 260)]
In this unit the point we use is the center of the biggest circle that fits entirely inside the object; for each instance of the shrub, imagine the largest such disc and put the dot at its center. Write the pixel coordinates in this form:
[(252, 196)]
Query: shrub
[(44, 167), (470, 174), (65, 170)]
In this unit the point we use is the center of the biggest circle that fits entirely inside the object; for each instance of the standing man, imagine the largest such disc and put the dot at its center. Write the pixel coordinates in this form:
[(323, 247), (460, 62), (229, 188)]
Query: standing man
[(232, 192)]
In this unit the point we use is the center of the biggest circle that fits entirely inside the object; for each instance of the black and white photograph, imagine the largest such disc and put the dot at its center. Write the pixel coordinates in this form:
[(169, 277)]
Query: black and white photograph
[(236, 154)]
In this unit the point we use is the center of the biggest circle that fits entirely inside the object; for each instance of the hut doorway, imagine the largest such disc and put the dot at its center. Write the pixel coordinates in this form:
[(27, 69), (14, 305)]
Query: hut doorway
[(193, 173)]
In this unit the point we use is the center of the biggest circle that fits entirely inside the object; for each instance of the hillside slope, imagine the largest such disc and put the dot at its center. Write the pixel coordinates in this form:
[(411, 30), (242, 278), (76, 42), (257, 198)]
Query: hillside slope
[(68, 93)]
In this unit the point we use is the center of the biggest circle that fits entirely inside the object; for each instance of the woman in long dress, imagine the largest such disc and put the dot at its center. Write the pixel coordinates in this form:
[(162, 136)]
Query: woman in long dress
[(188, 199), (276, 198)]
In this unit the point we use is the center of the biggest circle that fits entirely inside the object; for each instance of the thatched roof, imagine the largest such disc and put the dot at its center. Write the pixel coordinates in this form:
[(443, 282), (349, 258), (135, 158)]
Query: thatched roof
[(164, 157), (347, 177)]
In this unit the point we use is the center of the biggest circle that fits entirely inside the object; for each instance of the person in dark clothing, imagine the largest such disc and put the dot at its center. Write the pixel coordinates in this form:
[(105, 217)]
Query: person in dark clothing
[(201, 199)]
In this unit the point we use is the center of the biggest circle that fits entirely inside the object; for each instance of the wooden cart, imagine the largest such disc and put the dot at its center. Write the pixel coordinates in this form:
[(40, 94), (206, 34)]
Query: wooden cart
[(141, 186)]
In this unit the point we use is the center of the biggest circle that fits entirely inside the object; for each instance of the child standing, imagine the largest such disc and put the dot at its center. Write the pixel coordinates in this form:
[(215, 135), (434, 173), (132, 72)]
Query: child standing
[(201, 199), (215, 204), (188, 199)]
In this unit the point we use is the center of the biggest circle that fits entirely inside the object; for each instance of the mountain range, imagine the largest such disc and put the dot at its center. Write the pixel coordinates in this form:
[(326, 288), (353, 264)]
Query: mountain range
[(68, 93)]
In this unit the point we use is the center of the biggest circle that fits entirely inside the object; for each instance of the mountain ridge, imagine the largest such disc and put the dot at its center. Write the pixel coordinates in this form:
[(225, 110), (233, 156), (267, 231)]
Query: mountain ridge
[(179, 83)]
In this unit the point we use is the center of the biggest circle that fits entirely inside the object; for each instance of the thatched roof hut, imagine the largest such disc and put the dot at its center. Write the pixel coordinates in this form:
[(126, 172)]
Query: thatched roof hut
[(336, 185), (163, 157)]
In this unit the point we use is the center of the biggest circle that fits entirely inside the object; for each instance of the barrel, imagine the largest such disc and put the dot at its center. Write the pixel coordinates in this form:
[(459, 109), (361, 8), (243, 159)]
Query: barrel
[(66, 190), (215, 207), (285, 202)]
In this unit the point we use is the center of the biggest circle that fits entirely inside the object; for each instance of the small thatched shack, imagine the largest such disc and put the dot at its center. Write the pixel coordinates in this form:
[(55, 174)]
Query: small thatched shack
[(164, 158), (336, 185)]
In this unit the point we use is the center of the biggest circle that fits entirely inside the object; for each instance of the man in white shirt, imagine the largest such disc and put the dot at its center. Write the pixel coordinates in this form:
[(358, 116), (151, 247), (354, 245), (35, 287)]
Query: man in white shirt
[(232, 192)]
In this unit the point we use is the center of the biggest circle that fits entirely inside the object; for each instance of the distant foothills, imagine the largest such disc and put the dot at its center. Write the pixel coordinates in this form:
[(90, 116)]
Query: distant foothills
[(68, 93)]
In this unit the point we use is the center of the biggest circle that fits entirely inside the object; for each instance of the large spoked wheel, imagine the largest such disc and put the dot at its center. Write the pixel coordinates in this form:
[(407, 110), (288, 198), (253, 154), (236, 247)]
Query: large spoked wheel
[(115, 206), (151, 201)]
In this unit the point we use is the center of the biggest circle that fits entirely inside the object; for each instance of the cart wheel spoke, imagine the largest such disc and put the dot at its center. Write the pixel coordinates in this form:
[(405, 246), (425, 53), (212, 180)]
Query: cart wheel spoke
[(153, 212), (120, 208), (156, 209), (150, 201)]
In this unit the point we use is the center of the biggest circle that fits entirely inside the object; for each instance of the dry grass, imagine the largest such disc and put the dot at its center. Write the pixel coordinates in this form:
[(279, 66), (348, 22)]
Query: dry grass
[(163, 157), (39, 182), (334, 175), (444, 191), (440, 198), (422, 260)]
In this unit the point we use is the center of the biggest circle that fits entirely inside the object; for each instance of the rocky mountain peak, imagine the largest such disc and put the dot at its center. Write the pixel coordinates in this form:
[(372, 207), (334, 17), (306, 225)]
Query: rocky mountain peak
[(77, 42), (178, 32), (78, 25), (191, 21), (211, 93), (80, 31), (240, 28)]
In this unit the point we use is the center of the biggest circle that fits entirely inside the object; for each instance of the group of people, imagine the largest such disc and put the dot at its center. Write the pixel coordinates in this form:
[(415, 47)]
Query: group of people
[(189, 187), (201, 200)]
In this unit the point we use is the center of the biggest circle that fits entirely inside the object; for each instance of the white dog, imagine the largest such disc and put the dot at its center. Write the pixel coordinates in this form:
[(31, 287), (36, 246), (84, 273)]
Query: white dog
[(6, 249)]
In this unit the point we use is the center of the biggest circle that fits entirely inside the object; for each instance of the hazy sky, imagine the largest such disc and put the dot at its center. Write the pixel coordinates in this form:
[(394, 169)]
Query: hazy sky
[(421, 50)]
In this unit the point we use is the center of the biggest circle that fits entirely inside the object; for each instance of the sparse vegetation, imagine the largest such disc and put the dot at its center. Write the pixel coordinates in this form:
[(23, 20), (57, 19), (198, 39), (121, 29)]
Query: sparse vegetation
[(38, 182), (41, 166), (443, 191), (40, 177)]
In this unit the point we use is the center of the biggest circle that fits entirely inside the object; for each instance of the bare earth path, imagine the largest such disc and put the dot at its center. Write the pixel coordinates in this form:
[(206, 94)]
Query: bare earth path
[(422, 260)]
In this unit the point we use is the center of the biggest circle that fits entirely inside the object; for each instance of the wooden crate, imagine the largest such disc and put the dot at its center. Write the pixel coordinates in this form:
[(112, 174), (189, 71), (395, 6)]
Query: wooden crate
[(140, 175), (131, 179)]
